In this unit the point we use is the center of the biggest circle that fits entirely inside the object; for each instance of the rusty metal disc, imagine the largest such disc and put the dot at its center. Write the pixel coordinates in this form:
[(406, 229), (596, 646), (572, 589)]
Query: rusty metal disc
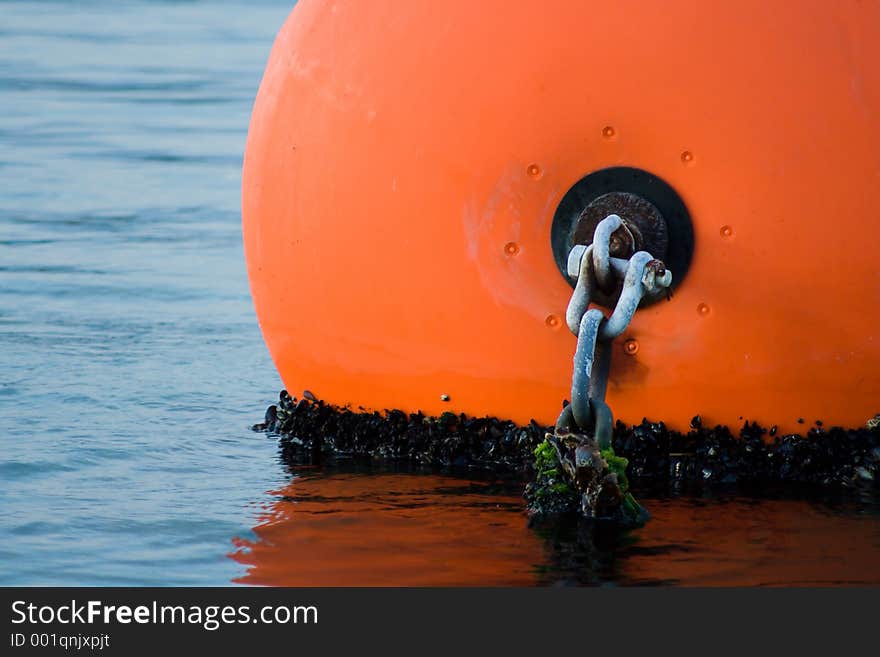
[(650, 208), (642, 219)]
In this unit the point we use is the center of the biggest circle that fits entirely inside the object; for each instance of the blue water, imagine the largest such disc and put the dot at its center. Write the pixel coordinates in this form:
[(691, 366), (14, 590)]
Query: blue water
[(131, 363)]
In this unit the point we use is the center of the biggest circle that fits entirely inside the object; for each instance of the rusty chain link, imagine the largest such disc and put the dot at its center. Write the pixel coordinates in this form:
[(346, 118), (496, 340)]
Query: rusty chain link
[(600, 267)]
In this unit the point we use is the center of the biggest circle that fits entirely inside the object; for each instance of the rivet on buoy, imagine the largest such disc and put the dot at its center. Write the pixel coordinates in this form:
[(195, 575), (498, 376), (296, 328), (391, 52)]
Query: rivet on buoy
[(553, 321), (687, 157), (727, 231), (534, 171), (511, 248), (631, 347), (703, 309), (608, 132)]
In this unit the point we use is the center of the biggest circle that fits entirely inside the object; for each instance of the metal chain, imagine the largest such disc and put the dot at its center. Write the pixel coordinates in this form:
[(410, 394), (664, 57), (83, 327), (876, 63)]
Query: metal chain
[(595, 267)]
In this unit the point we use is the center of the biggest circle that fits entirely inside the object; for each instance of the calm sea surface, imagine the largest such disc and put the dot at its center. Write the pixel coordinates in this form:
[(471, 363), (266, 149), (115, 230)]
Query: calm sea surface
[(131, 364)]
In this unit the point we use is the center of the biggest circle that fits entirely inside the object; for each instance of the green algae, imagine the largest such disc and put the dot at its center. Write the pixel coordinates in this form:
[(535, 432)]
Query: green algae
[(573, 477)]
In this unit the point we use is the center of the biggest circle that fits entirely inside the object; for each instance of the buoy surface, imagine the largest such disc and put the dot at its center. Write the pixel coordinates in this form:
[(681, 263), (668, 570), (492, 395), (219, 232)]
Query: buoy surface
[(405, 161)]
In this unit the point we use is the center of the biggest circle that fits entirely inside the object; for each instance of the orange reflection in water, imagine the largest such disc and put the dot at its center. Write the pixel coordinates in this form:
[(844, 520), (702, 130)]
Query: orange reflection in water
[(405, 529), (754, 542), (346, 529)]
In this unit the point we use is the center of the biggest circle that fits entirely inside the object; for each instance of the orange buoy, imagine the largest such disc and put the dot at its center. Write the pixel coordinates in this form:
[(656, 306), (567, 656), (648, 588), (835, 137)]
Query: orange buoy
[(405, 162)]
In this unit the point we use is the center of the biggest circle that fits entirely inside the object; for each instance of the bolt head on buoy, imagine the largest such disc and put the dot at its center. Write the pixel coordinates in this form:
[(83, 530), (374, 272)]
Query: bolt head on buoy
[(405, 165)]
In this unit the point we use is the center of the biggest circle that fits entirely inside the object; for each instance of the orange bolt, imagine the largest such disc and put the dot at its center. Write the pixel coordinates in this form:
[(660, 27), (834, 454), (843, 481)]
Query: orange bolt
[(631, 347)]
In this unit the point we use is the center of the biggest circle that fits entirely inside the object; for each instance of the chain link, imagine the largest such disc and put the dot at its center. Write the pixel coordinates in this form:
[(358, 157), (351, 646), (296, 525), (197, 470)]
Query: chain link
[(596, 268)]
